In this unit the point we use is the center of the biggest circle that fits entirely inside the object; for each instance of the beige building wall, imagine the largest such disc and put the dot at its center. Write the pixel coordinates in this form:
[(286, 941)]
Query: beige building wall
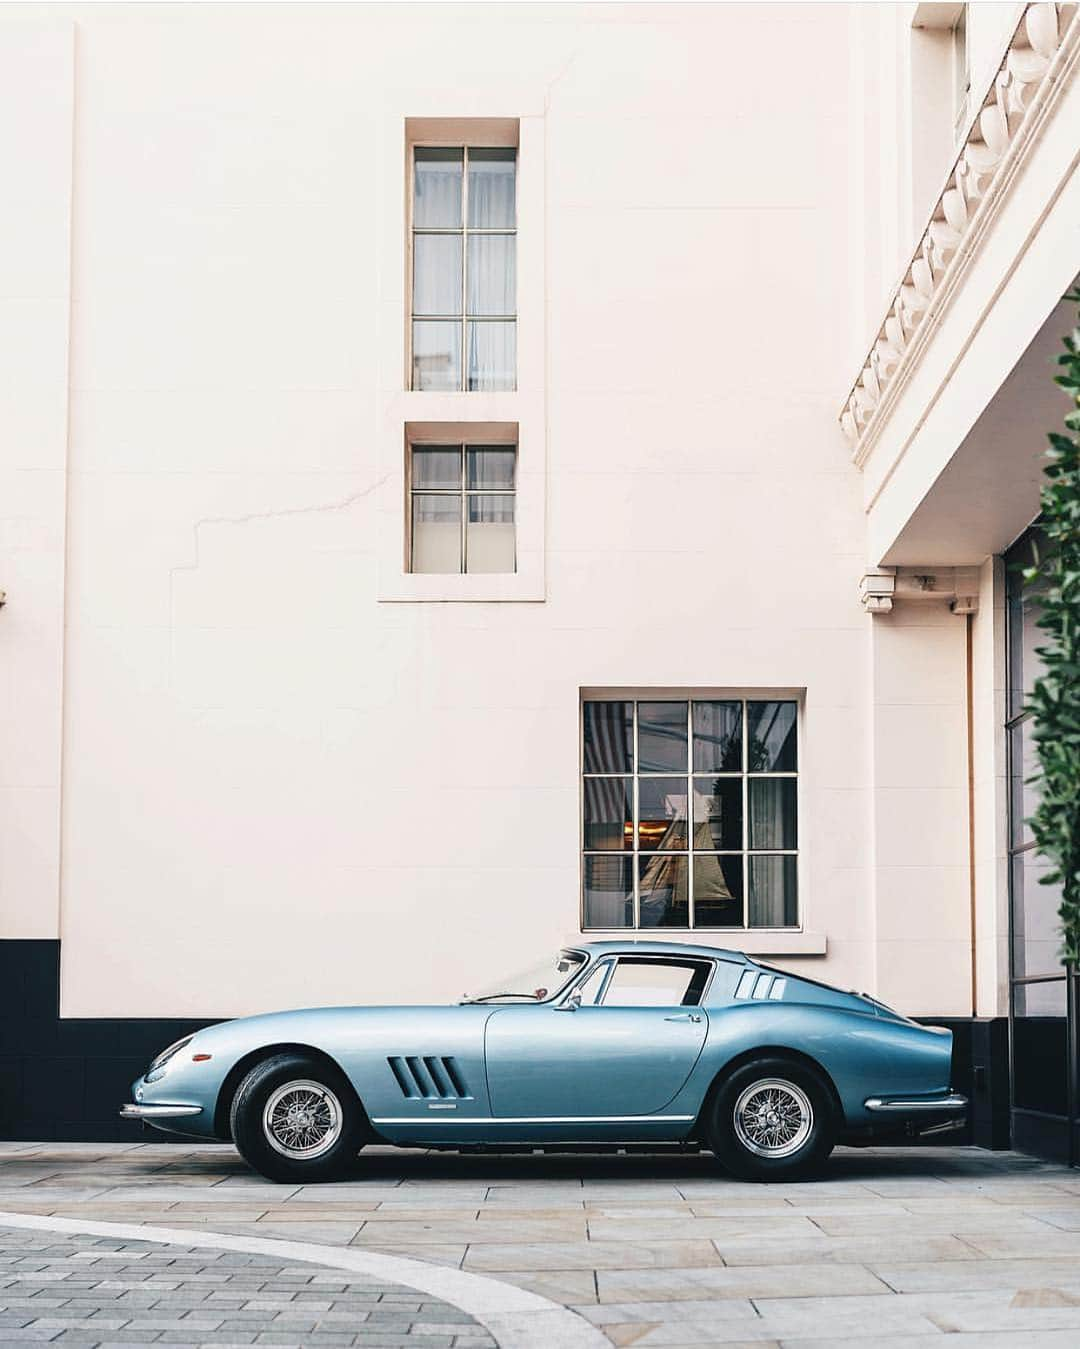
[(287, 781)]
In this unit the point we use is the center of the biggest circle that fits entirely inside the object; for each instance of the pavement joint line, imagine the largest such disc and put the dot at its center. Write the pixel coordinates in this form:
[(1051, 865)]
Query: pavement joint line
[(512, 1315)]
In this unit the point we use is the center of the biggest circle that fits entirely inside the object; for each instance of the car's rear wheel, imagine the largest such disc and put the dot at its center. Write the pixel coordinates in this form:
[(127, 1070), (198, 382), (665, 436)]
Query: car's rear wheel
[(772, 1119), (294, 1118)]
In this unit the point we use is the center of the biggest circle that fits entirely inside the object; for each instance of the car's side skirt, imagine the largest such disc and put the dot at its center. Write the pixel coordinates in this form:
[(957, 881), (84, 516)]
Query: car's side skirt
[(444, 1120)]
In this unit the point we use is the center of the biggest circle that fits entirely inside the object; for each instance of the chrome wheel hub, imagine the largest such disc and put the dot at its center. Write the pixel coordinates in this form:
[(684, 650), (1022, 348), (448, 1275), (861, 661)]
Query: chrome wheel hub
[(773, 1118), (302, 1119)]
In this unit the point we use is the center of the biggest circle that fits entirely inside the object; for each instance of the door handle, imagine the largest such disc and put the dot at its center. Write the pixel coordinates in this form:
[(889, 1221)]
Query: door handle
[(684, 1016)]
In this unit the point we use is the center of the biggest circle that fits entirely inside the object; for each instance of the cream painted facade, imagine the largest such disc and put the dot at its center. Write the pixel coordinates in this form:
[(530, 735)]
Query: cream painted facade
[(248, 761)]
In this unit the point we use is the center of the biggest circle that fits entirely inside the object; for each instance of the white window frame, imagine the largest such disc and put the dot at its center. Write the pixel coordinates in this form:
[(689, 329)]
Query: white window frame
[(789, 936)]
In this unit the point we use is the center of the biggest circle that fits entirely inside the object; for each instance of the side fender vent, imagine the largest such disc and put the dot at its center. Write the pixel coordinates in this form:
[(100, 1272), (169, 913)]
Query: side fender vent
[(429, 1078)]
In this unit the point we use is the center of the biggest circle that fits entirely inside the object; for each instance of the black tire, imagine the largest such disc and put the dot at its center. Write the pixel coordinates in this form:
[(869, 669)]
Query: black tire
[(772, 1119), (321, 1136)]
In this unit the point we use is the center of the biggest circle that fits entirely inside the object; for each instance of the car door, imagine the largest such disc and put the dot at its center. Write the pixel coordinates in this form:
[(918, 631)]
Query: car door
[(626, 1050)]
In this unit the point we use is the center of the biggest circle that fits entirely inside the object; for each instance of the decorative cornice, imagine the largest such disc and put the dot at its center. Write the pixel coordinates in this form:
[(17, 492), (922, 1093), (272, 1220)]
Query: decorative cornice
[(1024, 87)]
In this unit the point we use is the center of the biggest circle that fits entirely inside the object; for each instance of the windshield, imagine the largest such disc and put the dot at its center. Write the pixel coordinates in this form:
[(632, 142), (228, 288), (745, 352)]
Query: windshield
[(540, 982)]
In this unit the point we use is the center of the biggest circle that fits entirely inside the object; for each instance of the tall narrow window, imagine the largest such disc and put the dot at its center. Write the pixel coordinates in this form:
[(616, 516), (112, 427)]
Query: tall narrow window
[(462, 508), (464, 268), (690, 813)]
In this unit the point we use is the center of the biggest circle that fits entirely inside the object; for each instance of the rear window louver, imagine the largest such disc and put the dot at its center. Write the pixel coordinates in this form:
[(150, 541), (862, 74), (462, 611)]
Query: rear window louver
[(429, 1077), (758, 986)]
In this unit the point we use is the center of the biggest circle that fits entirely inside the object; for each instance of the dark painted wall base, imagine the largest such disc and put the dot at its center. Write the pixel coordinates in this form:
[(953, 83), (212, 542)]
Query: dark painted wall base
[(65, 1079)]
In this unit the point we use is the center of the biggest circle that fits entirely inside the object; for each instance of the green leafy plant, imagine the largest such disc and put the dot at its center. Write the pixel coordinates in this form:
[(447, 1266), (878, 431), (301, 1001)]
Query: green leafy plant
[(1055, 698)]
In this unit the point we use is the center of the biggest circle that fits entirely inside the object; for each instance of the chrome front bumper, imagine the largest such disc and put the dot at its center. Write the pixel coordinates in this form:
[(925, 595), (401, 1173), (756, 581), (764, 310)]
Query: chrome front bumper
[(153, 1112), (951, 1104)]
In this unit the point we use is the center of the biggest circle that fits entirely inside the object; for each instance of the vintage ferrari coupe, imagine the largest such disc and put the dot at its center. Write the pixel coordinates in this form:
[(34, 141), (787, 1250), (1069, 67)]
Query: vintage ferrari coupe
[(612, 1043)]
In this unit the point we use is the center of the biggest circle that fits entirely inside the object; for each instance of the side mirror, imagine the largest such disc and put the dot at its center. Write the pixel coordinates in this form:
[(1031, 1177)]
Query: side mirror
[(570, 1004)]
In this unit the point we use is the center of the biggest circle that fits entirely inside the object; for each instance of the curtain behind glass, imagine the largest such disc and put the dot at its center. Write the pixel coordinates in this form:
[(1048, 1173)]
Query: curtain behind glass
[(492, 188)]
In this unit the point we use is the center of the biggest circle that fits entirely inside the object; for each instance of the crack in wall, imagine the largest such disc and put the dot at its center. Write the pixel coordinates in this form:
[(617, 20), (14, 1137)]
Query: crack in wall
[(279, 513)]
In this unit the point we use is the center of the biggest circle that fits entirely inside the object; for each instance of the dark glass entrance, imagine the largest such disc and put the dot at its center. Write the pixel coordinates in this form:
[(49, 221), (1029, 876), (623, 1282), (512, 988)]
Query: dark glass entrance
[(1043, 993)]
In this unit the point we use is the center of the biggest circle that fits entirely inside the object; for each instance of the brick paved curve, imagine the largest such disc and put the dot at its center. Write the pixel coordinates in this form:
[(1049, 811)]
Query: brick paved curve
[(100, 1291)]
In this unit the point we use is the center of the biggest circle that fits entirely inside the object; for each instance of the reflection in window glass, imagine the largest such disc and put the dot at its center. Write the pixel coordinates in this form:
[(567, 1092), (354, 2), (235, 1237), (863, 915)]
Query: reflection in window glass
[(718, 814), (661, 737), (661, 814), (771, 734), (641, 983), (608, 737), (436, 533), (437, 275), (717, 737), (609, 891), (609, 814), (718, 891), (664, 887), (714, 849)]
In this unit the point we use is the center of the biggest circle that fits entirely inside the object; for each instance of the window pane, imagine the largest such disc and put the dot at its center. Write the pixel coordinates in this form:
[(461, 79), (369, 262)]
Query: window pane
[(492, 176), (609, 891), (773, 892), (1036, 926), (661, 813), (718, 891), (718, 813), (437, 186), (492, 355), (717, 737), (608, 737), (663, 891), (489, 541), (609, 813), (436, 355), (772, 813), (772, 737), (490, 466), (492, 274), (436, 273), (1024, 793), (439, 466), (661, 737), (436, 533)]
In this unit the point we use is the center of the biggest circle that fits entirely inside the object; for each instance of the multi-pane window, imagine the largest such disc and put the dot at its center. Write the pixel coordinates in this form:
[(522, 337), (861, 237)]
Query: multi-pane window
[(462, 508), (690, 813), (464, 268)]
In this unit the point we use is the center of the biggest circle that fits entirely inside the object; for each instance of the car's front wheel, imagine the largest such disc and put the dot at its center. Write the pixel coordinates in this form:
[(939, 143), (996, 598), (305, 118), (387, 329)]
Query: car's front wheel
[(295, 1119), (772, 1119)]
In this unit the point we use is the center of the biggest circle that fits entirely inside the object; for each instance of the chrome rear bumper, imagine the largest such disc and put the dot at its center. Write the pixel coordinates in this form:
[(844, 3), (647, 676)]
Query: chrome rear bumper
[(953, 1103), (152, 1112)]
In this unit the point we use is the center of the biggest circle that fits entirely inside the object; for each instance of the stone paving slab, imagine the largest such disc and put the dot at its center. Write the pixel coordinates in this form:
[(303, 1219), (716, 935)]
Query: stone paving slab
[(945, 1247)]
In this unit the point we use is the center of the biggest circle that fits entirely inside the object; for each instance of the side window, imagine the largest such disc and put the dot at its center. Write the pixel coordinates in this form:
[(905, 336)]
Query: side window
[(639, 982)]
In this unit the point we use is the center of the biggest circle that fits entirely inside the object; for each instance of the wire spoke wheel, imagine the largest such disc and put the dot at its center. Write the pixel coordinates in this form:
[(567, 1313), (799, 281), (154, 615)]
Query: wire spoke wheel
[(773, 1118), (302, 1119)]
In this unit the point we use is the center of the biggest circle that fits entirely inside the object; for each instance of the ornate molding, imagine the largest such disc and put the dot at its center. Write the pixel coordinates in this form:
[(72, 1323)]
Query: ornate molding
[(1043, 42)]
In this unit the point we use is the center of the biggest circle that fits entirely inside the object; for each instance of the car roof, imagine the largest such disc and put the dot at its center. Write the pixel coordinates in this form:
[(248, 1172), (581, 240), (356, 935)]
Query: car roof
[(658, 948)]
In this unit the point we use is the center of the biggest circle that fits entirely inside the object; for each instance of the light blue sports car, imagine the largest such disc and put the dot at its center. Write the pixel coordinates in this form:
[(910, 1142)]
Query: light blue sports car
[(612, 1043)]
